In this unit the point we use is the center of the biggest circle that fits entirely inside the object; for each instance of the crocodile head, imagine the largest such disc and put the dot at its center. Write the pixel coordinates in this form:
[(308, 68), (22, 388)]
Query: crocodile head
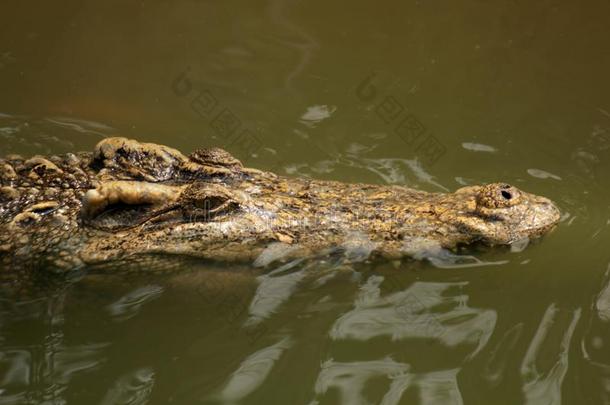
[(501, 214)]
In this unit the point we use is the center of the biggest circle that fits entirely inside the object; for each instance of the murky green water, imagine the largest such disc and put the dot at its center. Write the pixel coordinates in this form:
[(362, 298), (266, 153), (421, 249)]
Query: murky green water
[(430, 95)]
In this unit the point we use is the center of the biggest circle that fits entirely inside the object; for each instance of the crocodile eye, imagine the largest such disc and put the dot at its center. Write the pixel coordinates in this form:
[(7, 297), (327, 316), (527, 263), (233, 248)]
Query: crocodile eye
[(497, 196), (204, 202), (209, 203)]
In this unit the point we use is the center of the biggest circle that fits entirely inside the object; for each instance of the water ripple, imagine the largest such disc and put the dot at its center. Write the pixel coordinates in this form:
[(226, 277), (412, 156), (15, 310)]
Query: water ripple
[(133, 388), (545, 387), (252, 372), (131, 303), (350, 378), (274, 290), (413, 313)]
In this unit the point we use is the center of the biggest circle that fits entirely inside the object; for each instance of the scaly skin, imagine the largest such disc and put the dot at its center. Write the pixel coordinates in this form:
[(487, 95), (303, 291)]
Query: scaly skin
[(128, 200)]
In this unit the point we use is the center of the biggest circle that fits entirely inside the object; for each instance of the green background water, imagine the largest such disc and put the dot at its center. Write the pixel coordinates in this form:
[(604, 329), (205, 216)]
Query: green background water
[(505, 91)]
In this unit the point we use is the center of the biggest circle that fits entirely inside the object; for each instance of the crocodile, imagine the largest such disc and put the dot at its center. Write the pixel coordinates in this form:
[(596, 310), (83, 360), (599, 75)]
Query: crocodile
[(133, 201)]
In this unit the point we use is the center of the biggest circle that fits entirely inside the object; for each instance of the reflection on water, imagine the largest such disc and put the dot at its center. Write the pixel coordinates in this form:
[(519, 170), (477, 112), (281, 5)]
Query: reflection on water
[(595, 345), (252, 372), (435, 388), (439, 387), (544, 386), (497, 360), (411, 314), (389, 339), (315, 114), (133, 388), (421, 311), (45, 136), (43, 373), (40, 369), (391, 171), (274, 288), (602, 303), (350, 379), (431, 250), (129, 305)]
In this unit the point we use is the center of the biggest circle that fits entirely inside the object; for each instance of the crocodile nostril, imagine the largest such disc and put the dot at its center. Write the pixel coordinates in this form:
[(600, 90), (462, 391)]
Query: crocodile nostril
[(507, 195)]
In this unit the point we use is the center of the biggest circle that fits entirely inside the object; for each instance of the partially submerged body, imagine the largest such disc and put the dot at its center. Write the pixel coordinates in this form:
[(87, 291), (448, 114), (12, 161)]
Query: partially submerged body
[(130, 201)]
